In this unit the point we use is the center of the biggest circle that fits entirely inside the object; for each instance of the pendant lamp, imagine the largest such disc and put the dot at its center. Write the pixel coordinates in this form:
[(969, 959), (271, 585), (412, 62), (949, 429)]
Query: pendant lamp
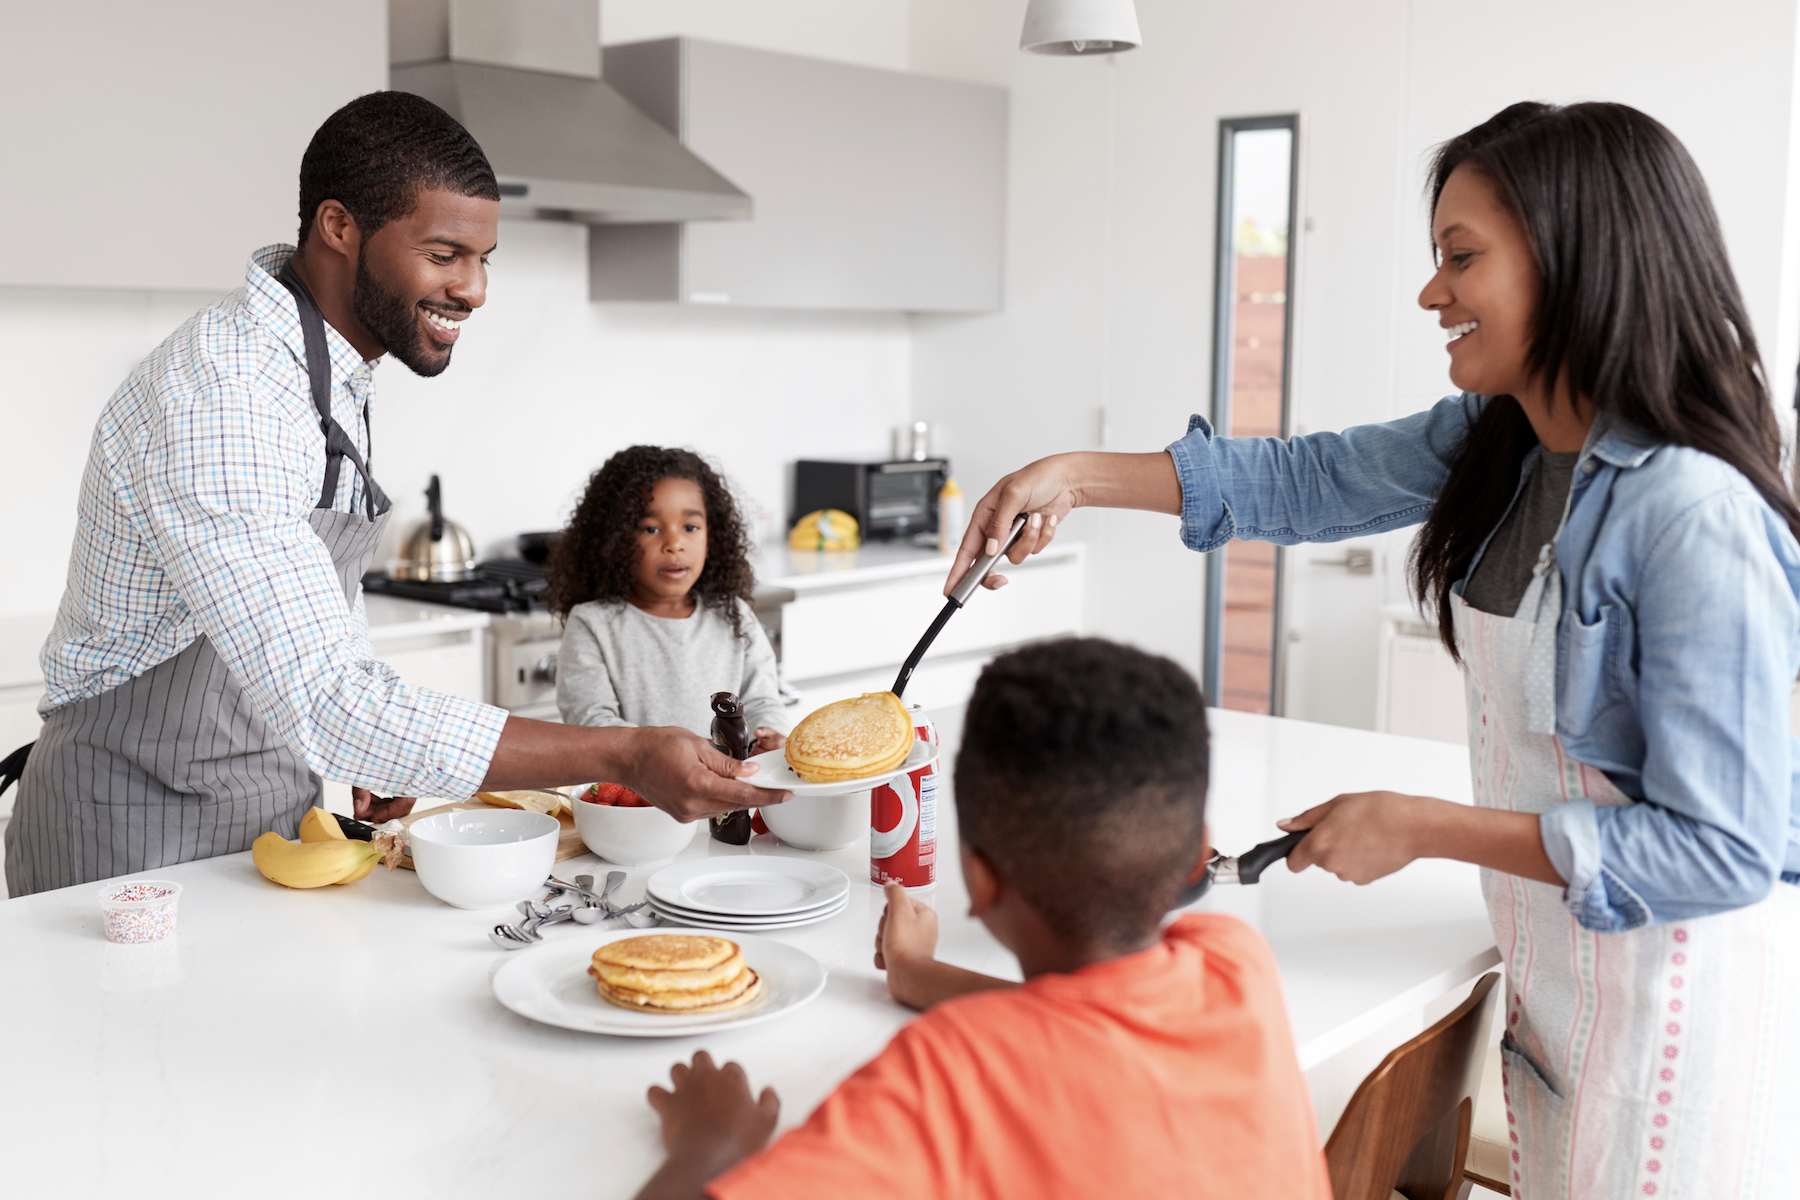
[(1080, 27)]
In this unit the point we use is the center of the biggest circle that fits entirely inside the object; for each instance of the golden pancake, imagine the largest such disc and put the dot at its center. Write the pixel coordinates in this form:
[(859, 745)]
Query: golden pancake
[(739, 992), (851, 739), (640, 980), (666, 952), (548, 803)]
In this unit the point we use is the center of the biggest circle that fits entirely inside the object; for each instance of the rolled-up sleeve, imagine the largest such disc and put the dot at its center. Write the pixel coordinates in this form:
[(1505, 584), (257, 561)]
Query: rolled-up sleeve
[(1318, 487), (225, 488), (1716, 619)]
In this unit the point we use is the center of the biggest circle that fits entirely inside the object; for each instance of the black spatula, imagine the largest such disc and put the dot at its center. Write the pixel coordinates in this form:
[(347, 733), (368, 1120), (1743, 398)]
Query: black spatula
[(959, 596)]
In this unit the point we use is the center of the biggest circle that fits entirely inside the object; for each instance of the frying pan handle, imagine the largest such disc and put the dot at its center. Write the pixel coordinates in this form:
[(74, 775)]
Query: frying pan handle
[(1253, 863), (983, 566)]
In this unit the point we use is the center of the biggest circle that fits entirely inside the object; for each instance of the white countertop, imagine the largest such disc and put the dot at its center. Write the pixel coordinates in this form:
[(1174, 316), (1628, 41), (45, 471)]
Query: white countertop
[(346, 1042), (779, 567), (392, 617)]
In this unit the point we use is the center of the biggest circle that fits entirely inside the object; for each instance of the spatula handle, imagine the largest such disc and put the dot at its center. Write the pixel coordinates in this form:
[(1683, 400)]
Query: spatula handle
[(982, 567)]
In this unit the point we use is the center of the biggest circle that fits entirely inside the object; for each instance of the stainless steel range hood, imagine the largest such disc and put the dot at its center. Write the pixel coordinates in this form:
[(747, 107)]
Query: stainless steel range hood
[(523, 76)]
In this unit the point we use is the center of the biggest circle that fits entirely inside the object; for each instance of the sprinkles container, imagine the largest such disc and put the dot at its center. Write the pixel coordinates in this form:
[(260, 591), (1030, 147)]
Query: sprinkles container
[(140, 910)]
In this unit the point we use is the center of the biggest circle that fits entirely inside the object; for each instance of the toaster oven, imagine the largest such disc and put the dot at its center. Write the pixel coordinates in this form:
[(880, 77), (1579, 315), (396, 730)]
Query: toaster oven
[(889, 500)]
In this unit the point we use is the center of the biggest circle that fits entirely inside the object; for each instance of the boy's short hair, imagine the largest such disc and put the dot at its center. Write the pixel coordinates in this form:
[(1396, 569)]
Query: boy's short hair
[(1082, 780)]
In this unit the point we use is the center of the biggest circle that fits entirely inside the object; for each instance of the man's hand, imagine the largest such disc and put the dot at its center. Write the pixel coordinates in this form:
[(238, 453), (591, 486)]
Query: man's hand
[(710, 1123), (367, 806), (767, 739), (688, 778)]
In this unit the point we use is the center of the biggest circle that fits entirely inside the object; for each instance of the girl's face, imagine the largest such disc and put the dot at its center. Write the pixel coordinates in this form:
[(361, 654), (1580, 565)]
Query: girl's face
[(1485, 289), (671, 538)]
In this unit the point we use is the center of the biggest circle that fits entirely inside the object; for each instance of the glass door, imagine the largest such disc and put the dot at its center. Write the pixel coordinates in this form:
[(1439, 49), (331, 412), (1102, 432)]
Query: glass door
[(1252, 339)]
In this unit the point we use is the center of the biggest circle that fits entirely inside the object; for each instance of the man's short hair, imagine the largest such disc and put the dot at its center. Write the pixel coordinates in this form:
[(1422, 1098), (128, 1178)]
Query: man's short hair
[(376, 153), (1082, 779)]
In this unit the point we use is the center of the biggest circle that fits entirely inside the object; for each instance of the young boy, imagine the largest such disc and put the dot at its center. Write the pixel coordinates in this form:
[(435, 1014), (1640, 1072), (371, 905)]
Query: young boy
[(1133, 1061)]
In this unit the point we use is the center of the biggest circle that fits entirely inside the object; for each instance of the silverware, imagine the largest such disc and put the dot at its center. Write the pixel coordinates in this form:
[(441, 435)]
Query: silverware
[(508, 938), (613, 881)]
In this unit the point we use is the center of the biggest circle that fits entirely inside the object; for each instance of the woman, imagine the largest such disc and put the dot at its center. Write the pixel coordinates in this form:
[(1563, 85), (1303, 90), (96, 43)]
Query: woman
[(1611, 552)]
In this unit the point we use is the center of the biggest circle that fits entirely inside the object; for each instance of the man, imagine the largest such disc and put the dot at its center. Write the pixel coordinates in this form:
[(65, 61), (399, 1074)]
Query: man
[(210, 659)]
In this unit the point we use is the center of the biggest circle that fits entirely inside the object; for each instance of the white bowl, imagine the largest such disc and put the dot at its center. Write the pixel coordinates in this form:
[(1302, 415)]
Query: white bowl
[(819, 822), (488, 859), (631, 836)]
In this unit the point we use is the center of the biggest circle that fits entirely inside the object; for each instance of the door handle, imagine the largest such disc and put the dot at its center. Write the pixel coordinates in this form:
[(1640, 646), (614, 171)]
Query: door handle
[(1356, 560)]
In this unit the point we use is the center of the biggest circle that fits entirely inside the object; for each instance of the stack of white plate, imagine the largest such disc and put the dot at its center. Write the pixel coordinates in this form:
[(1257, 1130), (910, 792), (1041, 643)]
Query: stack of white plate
[(744, 892)]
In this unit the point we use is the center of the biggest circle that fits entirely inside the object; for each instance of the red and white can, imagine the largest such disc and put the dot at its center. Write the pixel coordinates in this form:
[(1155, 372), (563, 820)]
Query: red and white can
[(903, 820)]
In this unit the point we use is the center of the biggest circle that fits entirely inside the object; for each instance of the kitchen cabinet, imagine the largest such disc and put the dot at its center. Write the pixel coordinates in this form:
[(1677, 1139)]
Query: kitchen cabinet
[(157, 145), (1418, 687), (872, 189)]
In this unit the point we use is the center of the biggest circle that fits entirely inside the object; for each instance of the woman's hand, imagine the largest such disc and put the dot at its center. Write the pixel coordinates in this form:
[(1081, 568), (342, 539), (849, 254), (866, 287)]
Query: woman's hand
[(1049, 489), (1361, 836), (766, 739)]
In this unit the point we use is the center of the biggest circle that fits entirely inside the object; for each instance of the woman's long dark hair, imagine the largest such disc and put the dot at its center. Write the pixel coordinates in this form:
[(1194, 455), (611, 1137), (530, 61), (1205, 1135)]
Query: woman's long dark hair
[(1636, 302), (597, 556)]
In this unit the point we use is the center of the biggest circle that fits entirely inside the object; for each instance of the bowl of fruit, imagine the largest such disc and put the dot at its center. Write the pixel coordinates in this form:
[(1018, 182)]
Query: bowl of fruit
[(622, 827)]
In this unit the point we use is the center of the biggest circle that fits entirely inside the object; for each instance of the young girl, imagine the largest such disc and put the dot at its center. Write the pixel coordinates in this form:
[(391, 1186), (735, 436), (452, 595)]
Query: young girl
[(652, 578), (1610, 547)]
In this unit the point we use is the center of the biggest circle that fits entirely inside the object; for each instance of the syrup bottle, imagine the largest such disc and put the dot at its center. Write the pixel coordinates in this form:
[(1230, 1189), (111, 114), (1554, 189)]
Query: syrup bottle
[(731, 736)]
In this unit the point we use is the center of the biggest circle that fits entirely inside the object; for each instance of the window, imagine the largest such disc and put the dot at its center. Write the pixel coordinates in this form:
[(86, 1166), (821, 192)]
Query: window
[(1252, 337)]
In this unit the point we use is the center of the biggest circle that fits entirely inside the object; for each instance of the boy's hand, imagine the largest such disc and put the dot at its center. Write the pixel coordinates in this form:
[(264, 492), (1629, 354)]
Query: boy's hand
[(906, 946), (767, 739), (710, 1122)]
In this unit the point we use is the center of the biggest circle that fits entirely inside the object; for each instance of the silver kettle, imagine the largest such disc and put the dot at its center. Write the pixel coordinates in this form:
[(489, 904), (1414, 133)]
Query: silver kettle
[(436, 549)]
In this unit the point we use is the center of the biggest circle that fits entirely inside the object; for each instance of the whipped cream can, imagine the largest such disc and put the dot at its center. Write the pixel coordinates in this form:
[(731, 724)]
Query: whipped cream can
[(903, 820)]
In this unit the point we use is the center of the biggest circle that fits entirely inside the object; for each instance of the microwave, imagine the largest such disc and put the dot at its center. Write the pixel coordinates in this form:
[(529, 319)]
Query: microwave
[(888, 499)]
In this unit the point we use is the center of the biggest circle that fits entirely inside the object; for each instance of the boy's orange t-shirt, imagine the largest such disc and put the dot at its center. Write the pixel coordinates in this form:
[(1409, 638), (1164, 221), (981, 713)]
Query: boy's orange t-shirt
[(1169, 1072)]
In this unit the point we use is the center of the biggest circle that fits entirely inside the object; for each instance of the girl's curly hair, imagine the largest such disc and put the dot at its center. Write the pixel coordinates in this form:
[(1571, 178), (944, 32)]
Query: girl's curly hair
[(597, 555)]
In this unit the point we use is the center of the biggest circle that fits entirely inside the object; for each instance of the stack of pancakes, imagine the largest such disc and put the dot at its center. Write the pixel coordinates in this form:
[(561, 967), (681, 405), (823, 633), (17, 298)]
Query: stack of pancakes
[(851, 739), (674, 973)]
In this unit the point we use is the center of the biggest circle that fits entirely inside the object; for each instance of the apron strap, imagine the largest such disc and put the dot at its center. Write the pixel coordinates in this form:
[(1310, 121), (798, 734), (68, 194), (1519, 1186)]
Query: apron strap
[(338, 445), (1542, 606), (12, 767)]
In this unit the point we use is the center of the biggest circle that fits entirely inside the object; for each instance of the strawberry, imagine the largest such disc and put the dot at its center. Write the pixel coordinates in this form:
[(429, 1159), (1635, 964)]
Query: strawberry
[(616, 794)]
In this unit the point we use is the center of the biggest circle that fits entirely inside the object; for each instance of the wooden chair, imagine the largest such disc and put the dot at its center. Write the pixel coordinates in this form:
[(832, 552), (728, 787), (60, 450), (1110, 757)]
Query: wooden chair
[(1406, 1130)]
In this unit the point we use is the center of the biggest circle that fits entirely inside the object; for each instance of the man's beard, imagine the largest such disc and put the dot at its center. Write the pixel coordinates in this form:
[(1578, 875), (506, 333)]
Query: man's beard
[(395, 324)]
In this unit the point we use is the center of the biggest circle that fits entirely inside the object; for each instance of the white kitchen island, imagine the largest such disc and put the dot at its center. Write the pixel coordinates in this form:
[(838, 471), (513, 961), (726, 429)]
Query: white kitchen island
[(345, 1042)]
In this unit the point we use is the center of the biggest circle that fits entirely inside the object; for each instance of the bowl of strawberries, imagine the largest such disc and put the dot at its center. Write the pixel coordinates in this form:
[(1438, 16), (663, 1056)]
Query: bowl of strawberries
[(622, 827)]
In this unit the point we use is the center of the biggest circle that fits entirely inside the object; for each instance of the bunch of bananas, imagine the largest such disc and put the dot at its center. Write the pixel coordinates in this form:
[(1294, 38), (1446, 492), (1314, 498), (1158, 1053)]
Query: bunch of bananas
[(322, 855)]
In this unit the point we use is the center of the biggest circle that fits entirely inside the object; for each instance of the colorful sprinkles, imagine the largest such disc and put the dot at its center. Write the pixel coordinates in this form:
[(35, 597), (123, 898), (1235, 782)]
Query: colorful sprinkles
[(142, 911)]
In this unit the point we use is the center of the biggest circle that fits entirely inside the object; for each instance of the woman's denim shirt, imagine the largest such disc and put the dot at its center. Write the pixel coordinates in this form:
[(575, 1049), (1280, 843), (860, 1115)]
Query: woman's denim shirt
[(1677, 647)]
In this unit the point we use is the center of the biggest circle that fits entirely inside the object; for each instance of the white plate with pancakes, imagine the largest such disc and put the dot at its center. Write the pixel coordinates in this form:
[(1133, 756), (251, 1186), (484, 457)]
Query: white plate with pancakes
[(777, 776), (552, 983), (739, 886)]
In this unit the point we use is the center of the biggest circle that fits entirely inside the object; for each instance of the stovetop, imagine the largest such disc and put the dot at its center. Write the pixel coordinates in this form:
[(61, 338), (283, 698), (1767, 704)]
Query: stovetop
[(501, 585)]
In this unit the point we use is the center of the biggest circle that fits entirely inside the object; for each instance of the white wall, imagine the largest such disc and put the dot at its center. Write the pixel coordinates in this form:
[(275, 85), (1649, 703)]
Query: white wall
[(544, 385), (1110, 247)]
